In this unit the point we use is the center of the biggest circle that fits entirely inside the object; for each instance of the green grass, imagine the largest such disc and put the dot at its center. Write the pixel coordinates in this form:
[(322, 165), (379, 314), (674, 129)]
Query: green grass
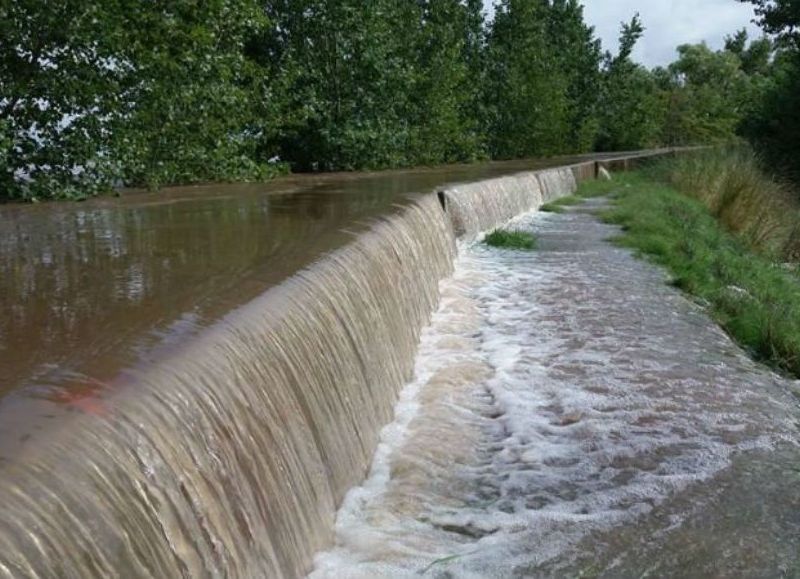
[(559, 205), (761, 211), (508, 239), (750, 295), (592, 188)]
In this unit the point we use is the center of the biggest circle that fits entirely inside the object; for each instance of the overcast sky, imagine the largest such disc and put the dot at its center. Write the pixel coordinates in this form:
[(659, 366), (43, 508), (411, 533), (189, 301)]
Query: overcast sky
[(669, 23)]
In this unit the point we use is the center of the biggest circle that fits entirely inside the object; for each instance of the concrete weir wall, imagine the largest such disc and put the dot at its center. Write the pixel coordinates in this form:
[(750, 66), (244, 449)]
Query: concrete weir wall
[(476, 207), (230, 458), (628, 162)]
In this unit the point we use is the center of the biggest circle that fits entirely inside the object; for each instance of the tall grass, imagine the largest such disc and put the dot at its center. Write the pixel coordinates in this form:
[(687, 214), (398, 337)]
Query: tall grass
[(754, 206), (757, 302)]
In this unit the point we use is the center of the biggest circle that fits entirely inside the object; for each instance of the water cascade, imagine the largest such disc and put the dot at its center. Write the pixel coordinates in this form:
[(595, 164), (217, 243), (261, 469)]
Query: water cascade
[(572, 415), (230, 457), (476, 207)]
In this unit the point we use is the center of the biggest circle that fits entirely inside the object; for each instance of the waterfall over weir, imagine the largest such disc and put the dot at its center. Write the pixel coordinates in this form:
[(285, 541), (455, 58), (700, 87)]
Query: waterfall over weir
[(476, 207), (230, 457)]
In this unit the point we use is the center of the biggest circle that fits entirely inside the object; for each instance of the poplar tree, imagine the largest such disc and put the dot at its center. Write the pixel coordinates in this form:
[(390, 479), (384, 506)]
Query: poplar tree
[(123, 92), (578, 55), (446, 90), (527, 88), (349, 70), (630, 111), (187, 111)]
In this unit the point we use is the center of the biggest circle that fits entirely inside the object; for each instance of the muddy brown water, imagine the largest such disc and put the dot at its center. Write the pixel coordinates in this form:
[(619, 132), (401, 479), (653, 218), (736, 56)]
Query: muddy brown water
[(90, 290), (207, 421)]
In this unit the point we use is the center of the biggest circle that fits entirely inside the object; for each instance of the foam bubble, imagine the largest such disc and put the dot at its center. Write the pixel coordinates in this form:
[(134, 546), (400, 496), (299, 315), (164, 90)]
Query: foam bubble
[(558, 394)]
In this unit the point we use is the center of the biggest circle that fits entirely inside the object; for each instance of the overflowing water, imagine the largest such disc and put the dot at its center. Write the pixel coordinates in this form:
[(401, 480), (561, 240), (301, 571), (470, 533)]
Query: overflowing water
[(229, 455), (556, 403), (572, 415), (90, 290), (476, 207)]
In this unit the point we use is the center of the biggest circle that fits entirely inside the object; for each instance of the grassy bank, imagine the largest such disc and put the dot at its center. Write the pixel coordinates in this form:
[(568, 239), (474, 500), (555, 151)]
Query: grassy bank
[(747, 290), (760, 210)]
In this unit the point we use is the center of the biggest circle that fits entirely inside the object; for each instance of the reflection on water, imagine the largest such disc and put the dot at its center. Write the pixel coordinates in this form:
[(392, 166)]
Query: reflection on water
[(88, 289)]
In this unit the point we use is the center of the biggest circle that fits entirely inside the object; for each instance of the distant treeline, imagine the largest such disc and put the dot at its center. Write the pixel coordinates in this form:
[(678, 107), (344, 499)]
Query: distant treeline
[(124, 92)]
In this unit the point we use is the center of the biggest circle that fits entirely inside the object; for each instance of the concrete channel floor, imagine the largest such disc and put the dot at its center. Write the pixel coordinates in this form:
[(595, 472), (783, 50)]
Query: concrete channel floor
[(575, 415)]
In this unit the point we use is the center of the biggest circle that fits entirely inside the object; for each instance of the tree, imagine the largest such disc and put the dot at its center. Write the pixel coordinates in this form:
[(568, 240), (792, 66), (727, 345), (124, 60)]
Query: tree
[(120, 91), (188, 112), (475, 54), (775, 125), (445, 123), (631, 115), (527, 89), (147, 93), (348, 69), (779, 17), (713, 93), (755, 56), (381, 84), (59, 81), (579, 53)]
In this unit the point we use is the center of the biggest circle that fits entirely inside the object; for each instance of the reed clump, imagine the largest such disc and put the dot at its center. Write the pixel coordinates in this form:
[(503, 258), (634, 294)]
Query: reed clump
[(749, 203)]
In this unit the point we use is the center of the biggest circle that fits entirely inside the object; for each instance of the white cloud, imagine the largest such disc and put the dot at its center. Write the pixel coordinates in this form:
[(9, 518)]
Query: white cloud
[(669, 23)]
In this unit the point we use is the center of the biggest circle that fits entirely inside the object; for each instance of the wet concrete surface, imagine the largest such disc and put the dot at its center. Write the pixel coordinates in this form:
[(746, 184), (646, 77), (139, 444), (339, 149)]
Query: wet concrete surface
[(576, 416)]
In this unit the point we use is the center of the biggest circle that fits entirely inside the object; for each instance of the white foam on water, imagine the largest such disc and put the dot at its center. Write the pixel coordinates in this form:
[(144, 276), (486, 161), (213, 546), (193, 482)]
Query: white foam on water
[(446, 345), (557, 394)]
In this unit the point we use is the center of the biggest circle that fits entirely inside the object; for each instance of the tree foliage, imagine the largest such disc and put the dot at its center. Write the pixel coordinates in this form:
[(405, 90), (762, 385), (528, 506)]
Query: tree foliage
[(706, 96), (774, 123), (59, 83), (779, 17), (122, 92), (629, 111), (578, 53), (188, 113), (542, 79), (380, 84)]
